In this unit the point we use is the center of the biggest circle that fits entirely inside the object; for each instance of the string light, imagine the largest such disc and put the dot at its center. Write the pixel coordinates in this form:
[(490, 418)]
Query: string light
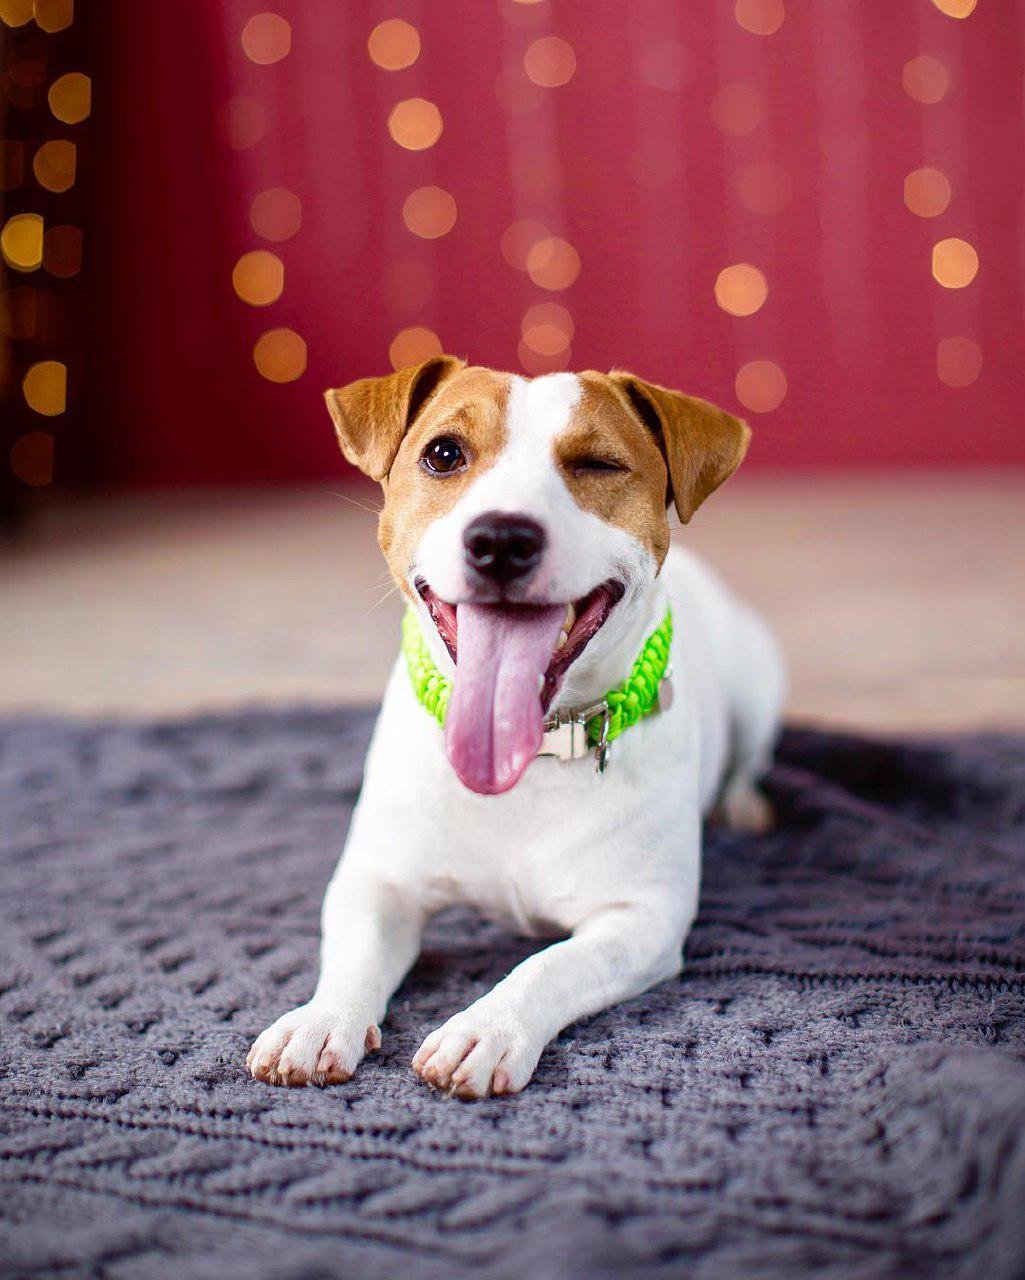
[(741, 289), (535, 362), (429, 212), (956, 8), (45, 387), (276, 214), (32, 458), (242, 123), (280, 355), (54, 165), (760, 17), (393, 45), (413, 346), (547, 329), (259, 277), (958, 361), (266, 38), (54, 15), (518, 240), (21, 241), (415, 123), (925, 79), (926, 192), (62, 251), (15, 13), (663, 65), (550, 62), (553, 263), (761, 386), (70, 97), (955, 263), (736, 109)]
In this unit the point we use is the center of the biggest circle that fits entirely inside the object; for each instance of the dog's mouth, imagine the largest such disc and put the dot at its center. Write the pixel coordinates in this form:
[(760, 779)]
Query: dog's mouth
[(510, 661)]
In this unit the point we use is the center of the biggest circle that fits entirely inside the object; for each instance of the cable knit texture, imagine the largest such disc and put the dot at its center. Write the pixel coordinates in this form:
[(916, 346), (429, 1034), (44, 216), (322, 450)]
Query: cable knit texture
[(834, 1088)]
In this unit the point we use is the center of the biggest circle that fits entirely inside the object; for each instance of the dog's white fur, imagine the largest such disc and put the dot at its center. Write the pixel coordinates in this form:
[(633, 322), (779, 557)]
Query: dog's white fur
[(610, 863)]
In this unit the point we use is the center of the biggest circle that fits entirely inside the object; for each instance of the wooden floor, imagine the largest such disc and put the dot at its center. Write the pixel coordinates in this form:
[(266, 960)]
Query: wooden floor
[(900, 600)]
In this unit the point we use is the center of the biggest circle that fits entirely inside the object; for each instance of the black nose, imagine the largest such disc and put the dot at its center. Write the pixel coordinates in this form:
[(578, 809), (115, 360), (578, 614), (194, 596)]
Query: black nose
[(503, 547)]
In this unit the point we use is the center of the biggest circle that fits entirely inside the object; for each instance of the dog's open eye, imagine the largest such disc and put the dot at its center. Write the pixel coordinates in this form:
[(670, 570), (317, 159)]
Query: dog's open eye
[(594, 466), (443, 456)]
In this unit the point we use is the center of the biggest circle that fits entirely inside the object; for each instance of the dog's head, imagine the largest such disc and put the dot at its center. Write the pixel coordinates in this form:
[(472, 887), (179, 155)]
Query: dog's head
[(524, 518)]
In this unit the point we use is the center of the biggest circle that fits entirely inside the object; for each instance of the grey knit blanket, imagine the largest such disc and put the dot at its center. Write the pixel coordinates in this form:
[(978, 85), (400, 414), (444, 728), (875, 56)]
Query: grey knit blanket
[(834, 1088)]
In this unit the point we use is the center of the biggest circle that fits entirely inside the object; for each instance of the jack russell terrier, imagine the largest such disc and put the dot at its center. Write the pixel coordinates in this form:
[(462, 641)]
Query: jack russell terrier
[(529, 760)]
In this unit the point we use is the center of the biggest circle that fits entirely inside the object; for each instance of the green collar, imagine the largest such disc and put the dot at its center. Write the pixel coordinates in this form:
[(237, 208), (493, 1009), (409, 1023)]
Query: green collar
[(572, 732)]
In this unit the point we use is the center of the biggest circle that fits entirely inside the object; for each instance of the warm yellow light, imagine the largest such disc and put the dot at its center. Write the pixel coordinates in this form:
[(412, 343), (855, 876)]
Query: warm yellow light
[(663, 65), (62, 251), (956, 8), (926, 192), (764, 187), (518, 240), (741, 289), (21, 241), (551, 315), (760, 17), (18, 308), (280, 355), (242, 122), (415, 123), (54, 165), (54, 15), (12, 165), (429, 212), (15, 12), (32, 458), (736, 109), (553, 263), (958, 361), (394, 45), (413, 346), (276, 214), (46, 387), (761, 386), (259, 277), (535, 362), (550, 62), (70, 97), (954, 263), (925, 79), (266, 38)]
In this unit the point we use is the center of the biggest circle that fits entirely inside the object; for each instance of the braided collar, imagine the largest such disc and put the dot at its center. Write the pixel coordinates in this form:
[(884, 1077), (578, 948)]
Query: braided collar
[(572, 732)]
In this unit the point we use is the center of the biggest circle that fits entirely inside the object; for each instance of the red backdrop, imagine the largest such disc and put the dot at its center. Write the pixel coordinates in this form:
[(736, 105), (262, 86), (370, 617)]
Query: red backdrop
[(649, 161)]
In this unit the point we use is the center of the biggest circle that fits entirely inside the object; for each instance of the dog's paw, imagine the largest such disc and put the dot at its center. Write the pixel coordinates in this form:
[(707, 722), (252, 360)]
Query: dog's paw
[(477, 1053), (743, 808), (314, 1044)]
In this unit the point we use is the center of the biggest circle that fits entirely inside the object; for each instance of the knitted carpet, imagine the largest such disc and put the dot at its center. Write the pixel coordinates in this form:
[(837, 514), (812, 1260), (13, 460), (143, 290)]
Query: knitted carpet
[(834, 1088)]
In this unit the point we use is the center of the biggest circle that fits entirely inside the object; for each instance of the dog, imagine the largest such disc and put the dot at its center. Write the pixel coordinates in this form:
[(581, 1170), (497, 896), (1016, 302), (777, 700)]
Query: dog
[(526, 522)]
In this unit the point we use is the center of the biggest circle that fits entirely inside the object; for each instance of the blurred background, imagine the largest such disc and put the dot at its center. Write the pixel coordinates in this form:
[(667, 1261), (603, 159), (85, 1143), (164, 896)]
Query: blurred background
[(809, 211)]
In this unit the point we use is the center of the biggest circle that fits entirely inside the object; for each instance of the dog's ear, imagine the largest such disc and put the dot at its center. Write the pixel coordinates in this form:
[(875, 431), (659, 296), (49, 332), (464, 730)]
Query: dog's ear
[(702, 445), (372, 415)]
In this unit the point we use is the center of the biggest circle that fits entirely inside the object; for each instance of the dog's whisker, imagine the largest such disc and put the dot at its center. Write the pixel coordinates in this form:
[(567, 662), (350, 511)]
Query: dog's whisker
[(374, 511), (377, 603)]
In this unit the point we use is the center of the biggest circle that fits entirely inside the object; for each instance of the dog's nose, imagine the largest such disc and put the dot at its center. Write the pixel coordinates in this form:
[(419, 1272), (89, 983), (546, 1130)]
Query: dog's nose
[(503, 547)]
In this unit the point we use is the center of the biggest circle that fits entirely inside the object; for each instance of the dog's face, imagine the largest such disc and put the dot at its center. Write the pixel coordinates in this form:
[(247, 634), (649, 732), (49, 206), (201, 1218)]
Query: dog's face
[(526, 518)]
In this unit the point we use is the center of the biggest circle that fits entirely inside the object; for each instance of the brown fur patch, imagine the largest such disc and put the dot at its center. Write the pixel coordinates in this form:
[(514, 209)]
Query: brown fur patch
[(470, 406)]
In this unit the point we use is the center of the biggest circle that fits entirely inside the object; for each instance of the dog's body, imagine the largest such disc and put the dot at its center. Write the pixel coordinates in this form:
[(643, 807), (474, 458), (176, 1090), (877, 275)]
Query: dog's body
[(610, 861)]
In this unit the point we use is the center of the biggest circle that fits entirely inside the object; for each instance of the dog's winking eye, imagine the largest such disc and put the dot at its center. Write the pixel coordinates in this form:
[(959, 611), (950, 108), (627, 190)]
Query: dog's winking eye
[(443, 456), (594, 466)]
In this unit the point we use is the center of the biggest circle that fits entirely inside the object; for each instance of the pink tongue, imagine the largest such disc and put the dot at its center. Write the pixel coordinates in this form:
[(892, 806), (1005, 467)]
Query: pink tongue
[(493, 725)]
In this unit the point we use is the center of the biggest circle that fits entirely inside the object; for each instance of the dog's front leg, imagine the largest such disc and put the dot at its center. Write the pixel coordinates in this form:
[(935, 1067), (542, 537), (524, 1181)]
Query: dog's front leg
[(493, 1046), (371, 936)]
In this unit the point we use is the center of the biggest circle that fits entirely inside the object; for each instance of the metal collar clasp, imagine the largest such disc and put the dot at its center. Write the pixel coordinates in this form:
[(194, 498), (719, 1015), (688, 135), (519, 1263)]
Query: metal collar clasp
[(566, 736)]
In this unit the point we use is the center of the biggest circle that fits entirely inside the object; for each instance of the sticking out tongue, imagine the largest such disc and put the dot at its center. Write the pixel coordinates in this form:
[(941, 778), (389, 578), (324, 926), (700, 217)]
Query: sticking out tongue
[(493, 725)]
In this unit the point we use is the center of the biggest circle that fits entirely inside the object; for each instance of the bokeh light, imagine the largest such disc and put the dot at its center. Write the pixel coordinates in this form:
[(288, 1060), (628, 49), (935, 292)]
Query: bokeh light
[(741, 289), (32, 458), (280, 355), (956, 8), (242, 122), (54, 165), (15, 13), (21, 241), (415, 123), (547, 328), (394, 45), (663, 65), (413, 346), (958, 361), (925, 79), (18, 308), (764, 187), (276, 214), (266, 38), (736, 109), (536, 362), (760, 17), (62, 251), (954, 263), (259, 277), (70, 97), (761, 386), (550, 62), (429, 212), (927, 192), (519, 238), (54, 15), (46, 387), (12, 164), (553, 263)]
